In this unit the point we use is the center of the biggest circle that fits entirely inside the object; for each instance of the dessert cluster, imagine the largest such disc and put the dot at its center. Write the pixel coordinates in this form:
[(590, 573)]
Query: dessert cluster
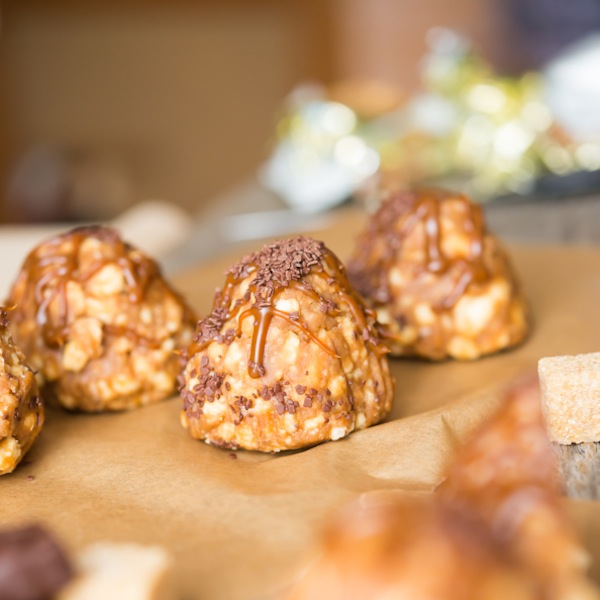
[(98, 322), (494, 529), (289, 356), (293, 353), (441, 284)]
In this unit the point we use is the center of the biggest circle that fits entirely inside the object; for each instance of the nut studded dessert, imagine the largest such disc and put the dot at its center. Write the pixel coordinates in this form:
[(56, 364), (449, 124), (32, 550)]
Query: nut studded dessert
[(441, 284), (289, 356), (570, 399), (495, 529), (21, 408), (96, 319), (507, 477)]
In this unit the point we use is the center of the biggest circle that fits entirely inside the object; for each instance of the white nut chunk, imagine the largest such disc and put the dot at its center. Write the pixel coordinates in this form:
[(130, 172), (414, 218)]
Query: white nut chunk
[(21, 407), (289, 356), (98, 321), (441, 284)]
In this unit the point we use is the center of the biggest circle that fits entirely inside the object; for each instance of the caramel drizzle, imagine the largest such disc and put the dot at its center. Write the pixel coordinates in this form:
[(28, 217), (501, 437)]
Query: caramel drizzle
[(426, 210), (263, 317), (52, 272), (264, 310)]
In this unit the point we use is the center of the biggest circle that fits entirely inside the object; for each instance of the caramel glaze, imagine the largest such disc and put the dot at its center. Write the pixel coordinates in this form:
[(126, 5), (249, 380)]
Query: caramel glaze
[(46, 278), (411, 209), (263, 310)]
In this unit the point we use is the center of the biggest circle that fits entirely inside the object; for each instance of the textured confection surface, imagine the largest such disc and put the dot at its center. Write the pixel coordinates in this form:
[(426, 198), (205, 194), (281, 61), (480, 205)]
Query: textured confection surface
[(21, 407), (289, 356), (97, 320), (571, 397), (441, 284)]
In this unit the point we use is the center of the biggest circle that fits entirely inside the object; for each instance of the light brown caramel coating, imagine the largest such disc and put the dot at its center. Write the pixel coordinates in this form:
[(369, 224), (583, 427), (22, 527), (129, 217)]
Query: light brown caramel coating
[(441, 284), (507, 477), (496, 529), (96, 319), (289, 356), (21, 407), (407, 550)]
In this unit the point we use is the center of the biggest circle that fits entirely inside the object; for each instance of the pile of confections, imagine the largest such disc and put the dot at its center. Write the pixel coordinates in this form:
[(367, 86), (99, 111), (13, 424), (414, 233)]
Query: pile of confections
[(295, 353)]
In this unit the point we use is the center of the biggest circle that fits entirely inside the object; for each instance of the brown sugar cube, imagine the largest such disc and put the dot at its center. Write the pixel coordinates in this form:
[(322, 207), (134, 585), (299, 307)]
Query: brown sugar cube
[(98, 322), (289, 356), (441, 284), (571, 399), (21, 407)]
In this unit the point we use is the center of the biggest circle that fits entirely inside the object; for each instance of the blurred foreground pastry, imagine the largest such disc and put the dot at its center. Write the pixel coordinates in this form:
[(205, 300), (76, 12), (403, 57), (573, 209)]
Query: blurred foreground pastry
[(96, 319), (440, 283), (496, 528), (21, 407), (121, 572), (570, 399), (33, 566), (289, 356)]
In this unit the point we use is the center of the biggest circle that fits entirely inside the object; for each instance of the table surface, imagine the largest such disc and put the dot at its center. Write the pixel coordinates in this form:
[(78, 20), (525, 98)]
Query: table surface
[(238, 529), (240, 218)]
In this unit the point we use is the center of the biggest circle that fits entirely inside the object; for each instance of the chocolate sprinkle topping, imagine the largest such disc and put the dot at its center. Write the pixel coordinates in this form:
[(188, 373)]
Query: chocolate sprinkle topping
[(279, 263)]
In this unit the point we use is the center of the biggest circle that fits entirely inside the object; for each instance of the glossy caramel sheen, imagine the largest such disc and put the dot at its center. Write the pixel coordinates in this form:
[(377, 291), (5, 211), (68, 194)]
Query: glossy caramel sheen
[(263, 310)]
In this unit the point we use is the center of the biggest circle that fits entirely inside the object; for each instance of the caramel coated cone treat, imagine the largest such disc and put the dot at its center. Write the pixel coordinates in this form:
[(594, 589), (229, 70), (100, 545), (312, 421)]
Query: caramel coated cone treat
[(440, 283), (289, 356), (21, 407), (496, 529), (96, 319), (507, 477)]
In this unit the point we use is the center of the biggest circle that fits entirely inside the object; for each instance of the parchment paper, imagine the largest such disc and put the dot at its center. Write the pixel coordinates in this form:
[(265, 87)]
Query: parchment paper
[(238, 528)]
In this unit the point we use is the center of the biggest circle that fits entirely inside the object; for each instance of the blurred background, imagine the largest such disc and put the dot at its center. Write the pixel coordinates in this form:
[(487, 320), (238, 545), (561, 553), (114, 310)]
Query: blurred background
[(105, 104)]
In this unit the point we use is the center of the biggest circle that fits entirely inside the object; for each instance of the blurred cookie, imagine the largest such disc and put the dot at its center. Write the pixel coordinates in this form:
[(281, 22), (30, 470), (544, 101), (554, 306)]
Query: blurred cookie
[(96, 319), (289, 356), (441, 284), (21, 407)]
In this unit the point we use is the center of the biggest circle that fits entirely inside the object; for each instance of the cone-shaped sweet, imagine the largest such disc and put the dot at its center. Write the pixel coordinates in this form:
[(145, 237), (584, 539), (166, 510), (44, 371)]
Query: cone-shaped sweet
[(496, 529), (21, 408), (289, 356), (441, 284), (96, 319)]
